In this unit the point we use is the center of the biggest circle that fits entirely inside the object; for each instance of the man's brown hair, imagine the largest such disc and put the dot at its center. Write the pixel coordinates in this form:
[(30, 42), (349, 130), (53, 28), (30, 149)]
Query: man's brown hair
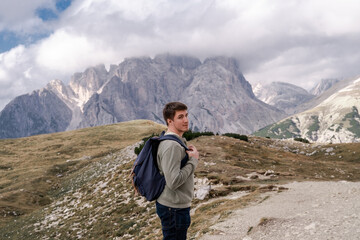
[(171, 108)]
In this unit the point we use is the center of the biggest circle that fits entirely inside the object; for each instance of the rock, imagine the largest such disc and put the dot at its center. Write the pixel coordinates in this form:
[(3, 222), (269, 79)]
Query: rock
[(138, 88), (284, 96), (202, 192)]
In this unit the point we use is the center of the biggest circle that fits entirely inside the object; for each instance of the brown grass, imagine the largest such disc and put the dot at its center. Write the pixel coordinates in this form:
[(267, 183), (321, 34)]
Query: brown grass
[(288, 160), (62, 176), (33, 167)]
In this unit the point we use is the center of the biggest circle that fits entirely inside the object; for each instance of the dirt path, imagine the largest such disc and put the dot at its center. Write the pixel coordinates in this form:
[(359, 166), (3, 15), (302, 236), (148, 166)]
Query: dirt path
[(307, 211)]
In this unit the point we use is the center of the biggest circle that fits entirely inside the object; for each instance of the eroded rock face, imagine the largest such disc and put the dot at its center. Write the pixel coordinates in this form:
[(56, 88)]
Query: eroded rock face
[(218, 96), (323, 85), (40, 112), (222, 100)]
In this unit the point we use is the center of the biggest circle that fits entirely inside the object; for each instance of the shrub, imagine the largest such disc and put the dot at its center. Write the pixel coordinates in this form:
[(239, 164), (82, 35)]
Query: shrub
[(304, 140), (189, 135), (237, 136), (138, 149)]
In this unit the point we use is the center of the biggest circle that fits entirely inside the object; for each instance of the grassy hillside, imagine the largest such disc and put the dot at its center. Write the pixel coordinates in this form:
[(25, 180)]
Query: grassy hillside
[(75, 185), (32, 168)]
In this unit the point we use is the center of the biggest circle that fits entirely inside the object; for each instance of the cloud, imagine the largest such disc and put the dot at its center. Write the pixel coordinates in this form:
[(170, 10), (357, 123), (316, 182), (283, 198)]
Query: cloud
[(13, 80), (69, 52), (24, 18), (294, 41)]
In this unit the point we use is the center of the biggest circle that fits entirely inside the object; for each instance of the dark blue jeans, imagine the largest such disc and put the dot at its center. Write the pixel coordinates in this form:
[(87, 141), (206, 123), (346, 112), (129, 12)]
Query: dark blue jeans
[(174, 221)]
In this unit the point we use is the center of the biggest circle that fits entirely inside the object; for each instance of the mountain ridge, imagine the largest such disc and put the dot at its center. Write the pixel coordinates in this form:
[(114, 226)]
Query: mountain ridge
[(331, 117), (138, 88), (323, 85), (284, 96)]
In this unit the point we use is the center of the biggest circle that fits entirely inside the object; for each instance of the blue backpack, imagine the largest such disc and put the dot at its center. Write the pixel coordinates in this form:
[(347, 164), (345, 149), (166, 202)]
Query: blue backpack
[(146, 176)]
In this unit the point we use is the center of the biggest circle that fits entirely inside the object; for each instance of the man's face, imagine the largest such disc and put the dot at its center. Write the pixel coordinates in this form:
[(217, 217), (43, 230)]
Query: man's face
[(180, 124)]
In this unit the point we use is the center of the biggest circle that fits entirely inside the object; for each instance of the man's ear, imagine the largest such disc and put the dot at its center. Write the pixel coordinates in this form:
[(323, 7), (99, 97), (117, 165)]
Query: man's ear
[(169, 121)]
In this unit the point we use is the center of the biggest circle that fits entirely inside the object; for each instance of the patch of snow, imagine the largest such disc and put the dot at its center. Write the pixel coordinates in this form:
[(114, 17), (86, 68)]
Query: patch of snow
[(209, 164), (329, 149), (202, 188), (202, 192), (310, 154)]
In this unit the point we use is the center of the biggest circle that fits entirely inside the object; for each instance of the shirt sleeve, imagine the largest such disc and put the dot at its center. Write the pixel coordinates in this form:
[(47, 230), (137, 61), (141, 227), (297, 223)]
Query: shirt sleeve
[(170, 163)]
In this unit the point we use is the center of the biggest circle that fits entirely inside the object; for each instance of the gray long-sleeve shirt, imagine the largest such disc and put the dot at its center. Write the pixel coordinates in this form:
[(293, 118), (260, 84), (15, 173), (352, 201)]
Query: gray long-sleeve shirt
[(179, 188)]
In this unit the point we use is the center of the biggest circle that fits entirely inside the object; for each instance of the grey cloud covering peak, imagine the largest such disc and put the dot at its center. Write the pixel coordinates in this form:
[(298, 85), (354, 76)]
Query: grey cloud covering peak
[(299, 42)]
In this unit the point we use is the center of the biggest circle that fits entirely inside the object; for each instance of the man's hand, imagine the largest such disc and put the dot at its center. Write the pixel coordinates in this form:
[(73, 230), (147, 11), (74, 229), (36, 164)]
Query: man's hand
[(193, 152)]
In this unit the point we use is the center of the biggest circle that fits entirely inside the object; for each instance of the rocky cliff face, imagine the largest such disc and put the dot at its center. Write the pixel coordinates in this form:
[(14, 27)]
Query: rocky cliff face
[(218, 96), (40, 112), (323, 85), (139, 88), (228, 105), (284, 96)]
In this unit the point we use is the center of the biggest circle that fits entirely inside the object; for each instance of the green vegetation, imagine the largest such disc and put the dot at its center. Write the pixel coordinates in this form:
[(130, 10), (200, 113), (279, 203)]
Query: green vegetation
[(237, 136), (138, 149), (338, 127), (304, 140), (76, 184), (314, 127), (353, 114), (283, 129), (353, 118), (189, 135)]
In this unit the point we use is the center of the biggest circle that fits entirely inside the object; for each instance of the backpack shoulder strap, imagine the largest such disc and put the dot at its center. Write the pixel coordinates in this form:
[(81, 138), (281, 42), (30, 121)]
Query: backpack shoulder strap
[(172, 137)]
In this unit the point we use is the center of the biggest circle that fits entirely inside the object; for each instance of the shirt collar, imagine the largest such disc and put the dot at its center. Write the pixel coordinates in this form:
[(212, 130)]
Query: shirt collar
[(169, 132), (182, 138)]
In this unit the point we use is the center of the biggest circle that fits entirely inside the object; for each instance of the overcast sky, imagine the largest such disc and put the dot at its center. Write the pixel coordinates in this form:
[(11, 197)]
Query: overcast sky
[(295, 41)]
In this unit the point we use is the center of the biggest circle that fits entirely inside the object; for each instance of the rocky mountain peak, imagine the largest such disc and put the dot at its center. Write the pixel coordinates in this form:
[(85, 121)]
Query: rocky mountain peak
[(227, 71), (282, 95), (39, 112), (227, 62), (58, 87), (335, 119), (183, 61), (323, 85), (92, 78), (84, 85), (219, 97)]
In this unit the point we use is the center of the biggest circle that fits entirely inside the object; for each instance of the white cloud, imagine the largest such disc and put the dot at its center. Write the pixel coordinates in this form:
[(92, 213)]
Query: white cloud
[(69, 52), (20, 15), (11, 79), (333, 17), (294, 41), (3, 75), (12, 58)]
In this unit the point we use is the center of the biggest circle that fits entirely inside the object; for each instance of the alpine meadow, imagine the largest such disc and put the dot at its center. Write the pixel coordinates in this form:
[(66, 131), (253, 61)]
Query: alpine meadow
[(76, 185)]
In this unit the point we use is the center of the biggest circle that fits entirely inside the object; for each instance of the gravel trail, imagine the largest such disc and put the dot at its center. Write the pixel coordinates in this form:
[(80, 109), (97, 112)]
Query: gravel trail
[(306, 211)]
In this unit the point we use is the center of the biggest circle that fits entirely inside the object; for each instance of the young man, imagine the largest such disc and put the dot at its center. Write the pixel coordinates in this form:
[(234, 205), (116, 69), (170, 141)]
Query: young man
[(173, 205)]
